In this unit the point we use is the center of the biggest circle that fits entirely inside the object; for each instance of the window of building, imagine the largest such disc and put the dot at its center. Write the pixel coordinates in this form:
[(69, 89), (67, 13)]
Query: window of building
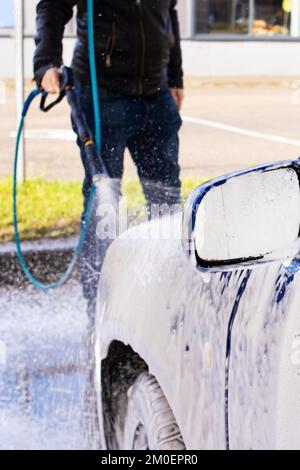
[(7, 20), (272, 17), (7, 14), (249, 17)]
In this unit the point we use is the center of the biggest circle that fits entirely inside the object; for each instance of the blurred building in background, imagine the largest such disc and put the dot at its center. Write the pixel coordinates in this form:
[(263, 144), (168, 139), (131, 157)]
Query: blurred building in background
[(220, 37), (246, 18)]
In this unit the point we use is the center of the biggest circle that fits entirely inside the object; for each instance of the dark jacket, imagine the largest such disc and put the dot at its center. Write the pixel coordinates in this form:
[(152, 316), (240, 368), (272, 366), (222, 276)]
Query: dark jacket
[(137, 43)]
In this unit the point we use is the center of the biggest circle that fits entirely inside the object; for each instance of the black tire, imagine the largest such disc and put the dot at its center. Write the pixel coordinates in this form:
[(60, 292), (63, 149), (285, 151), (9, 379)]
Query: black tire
[(149, 421)]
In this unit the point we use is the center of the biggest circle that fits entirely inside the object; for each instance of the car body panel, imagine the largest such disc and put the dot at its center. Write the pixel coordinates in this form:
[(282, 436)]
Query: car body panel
[(264, 383), (176, 319)]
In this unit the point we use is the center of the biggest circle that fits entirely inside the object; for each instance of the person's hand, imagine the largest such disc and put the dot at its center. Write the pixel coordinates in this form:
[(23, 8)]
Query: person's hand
[(51, 81), (178, 95)]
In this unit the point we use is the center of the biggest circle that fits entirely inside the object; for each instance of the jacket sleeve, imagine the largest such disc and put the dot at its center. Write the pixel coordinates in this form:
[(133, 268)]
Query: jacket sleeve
[(51, 18), (175, 71)]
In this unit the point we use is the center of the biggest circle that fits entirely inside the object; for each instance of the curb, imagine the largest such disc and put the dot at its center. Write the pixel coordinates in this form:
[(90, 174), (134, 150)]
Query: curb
[(47, 259)]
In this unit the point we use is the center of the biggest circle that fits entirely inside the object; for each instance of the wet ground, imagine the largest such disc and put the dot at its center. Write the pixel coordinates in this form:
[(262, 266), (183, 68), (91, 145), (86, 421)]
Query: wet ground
[(43, 369)]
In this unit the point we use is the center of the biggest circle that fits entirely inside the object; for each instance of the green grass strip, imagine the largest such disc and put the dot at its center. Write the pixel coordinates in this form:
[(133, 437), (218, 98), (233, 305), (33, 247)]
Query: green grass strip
[(53, 209)]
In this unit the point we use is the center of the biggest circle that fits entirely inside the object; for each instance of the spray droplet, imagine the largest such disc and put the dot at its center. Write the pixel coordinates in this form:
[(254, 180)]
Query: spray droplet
[(286, 263), (207, 356), (205, 278)]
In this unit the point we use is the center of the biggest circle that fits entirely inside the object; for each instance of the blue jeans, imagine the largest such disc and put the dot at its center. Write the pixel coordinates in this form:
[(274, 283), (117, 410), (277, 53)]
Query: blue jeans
[(148, 127)]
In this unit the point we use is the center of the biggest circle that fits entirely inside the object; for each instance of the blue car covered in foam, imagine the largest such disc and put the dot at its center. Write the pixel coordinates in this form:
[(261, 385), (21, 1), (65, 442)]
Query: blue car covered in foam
[(198, 327)]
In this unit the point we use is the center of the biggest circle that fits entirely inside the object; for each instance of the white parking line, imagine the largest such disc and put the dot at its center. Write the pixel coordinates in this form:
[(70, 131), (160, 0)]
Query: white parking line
[(239, 130), (68, 135)]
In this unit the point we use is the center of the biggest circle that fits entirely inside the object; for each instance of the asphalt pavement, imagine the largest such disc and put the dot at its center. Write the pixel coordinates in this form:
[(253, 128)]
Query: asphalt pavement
[(228, 125)]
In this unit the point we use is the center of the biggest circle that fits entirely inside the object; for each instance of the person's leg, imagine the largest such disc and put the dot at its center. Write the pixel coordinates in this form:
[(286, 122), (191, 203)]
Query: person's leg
[(155, 151), (113, 146)]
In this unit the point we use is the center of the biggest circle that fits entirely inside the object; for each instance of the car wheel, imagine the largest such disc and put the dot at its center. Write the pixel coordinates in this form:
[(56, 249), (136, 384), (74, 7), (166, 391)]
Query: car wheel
[(149, 421)]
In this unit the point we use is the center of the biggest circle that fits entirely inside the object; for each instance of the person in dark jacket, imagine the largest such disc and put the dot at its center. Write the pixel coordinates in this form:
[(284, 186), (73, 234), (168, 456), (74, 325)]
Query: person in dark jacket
[(139, 66)]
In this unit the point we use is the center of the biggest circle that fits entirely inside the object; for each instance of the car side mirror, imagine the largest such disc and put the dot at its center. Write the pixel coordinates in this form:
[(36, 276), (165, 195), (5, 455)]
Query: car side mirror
[(245, 218)]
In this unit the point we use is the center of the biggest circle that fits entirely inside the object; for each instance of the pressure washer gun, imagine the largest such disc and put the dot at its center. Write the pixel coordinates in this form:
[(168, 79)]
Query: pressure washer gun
[(94, 162)]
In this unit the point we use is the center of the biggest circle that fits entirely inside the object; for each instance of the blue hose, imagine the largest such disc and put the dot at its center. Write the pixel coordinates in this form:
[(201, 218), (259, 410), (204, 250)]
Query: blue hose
[(88, 214), (93, 73)]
